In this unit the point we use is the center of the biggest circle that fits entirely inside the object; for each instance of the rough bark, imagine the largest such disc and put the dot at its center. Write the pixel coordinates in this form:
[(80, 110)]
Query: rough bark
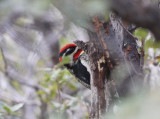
[(140, 12), (114, 61), (116, 65), (98, 70)]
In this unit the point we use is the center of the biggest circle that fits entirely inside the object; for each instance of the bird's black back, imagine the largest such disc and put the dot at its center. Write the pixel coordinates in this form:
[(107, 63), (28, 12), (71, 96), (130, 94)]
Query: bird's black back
[(80, 72)]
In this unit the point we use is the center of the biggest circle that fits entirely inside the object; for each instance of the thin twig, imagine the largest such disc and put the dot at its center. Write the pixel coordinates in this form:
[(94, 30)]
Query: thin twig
[(10, 75), (5, 62), (142, 54)]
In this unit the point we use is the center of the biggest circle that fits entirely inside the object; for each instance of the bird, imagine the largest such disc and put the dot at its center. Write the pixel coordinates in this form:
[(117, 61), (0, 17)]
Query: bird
[(78, 64)]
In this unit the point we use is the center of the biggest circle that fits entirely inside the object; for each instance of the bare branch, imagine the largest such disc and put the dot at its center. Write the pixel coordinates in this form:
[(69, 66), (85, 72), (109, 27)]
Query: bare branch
[(5, 61), (13, 76)]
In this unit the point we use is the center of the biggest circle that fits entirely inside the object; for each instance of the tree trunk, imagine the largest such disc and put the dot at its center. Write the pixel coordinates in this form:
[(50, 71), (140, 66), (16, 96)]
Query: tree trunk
[(114, 62)]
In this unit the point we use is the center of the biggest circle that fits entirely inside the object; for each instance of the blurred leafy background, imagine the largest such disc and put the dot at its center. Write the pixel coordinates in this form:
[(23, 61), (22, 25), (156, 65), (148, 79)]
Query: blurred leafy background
[(32, 85)]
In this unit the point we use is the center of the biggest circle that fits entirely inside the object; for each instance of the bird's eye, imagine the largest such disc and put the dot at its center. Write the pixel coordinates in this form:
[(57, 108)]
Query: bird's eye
[(69, 51)]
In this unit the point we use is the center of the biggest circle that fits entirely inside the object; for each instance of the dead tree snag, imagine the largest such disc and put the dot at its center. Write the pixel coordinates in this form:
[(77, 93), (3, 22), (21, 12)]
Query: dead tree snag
[(114, 60)]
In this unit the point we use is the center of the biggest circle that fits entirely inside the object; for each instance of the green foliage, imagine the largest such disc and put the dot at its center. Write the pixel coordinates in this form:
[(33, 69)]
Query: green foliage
[(54, 81), (6, 109), (24, 47), (141, 33), (152, 44), (149, 42), (65, 60)]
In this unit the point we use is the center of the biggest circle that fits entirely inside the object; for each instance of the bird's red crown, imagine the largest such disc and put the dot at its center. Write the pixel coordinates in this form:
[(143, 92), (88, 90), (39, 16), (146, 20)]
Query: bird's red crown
[(76, 55), (67, 46)]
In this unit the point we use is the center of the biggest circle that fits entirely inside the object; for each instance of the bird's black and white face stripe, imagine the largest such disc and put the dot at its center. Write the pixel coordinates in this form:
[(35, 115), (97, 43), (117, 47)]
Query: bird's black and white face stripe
[(68, 52), (78, 63)]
